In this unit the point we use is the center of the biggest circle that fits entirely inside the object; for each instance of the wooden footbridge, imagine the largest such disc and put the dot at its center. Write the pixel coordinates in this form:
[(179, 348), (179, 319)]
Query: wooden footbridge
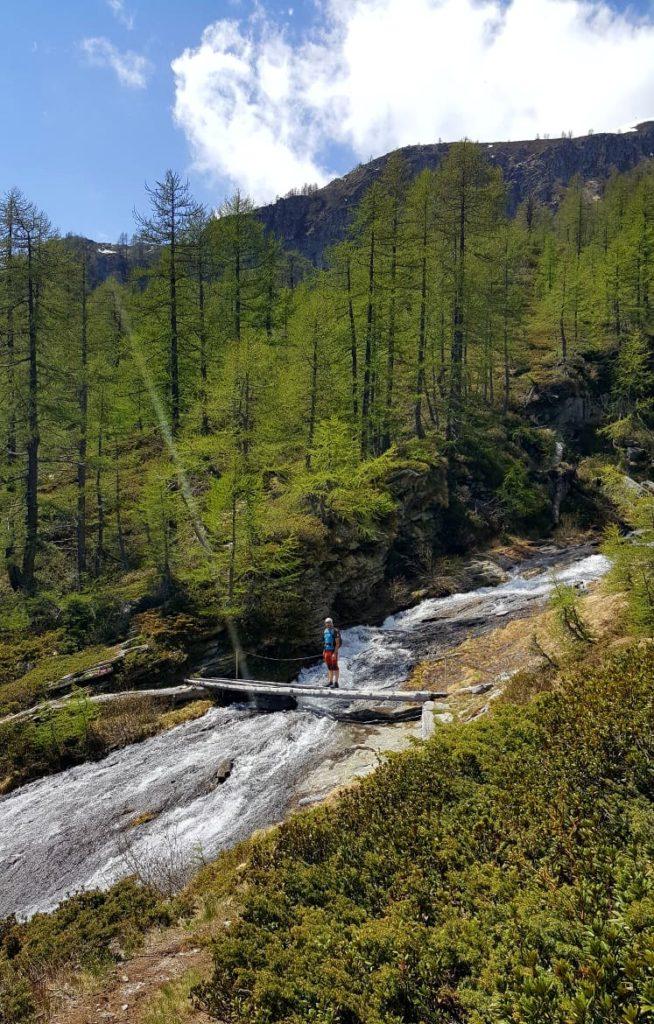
[(261, 688), (269, 696)]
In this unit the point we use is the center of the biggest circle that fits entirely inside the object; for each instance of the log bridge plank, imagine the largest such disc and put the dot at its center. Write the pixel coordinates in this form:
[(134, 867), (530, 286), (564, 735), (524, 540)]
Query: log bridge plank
[(258, 687)]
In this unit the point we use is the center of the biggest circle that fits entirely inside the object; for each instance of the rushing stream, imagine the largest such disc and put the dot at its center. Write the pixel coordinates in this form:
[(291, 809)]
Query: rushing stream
[(205, 785)]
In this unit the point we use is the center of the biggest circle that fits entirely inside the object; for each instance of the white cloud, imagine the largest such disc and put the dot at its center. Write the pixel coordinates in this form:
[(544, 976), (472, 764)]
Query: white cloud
[(388, 73), (237, 100), (132, 69), (124, 16)]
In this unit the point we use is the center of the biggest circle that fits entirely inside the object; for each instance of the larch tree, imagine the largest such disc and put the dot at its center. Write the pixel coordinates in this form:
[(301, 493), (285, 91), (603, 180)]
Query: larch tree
[(470, 196), (172, 212), (394, 184), (10, 301)]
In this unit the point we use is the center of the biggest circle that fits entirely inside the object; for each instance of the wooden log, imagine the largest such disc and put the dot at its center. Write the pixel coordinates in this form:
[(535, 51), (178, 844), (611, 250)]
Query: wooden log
[(95, 672), (256, 686), (169, 695), (175, 694)]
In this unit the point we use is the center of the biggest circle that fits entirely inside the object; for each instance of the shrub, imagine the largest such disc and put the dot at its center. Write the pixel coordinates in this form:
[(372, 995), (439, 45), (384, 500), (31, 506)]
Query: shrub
[(501, 872), (91, 619), (565, 601), (87, 929), (521, 498), (16, 1002), (633, 564)]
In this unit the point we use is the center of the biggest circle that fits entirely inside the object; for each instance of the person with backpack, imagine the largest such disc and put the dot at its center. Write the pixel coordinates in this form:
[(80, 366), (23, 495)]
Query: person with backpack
[(331, 646)]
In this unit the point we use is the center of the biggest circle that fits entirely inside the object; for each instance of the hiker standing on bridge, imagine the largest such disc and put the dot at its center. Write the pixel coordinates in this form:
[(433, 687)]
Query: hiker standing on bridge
[(331, 646)]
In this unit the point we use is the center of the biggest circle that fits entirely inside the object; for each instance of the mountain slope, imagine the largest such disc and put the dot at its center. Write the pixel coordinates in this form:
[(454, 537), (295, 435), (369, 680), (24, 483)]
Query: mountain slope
[(312, 222)]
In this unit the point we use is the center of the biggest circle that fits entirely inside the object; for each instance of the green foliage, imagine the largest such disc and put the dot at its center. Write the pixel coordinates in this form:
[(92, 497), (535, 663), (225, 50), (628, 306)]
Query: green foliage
[(335, 449), (634, 378), (500, 872), (28, 668), (54, 740), (538, 442), (92, 619), (228, 407), (521, 498), (633, 563), (86, 931), (566, 603), (17, 1005)]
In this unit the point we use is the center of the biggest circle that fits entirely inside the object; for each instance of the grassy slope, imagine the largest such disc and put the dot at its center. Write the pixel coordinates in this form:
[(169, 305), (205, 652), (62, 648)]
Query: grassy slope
[(56, 738), (500, 872)]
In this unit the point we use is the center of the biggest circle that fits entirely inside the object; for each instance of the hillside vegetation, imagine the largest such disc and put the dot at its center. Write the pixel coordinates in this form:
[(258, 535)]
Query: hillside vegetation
[(500, 871), (230, 430)]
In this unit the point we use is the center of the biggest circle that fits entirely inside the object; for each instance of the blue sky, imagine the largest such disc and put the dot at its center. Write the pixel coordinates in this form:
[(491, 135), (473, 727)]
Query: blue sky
[(82, 144), (268, 96)]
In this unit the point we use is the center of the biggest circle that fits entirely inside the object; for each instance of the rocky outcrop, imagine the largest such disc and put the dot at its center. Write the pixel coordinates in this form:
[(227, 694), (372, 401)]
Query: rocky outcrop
[(573, 399), (482, 572), (539, 168), (351, 575), (104, 260)]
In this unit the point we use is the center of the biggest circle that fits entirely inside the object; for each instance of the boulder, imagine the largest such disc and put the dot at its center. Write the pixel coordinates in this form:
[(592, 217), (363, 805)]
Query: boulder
[(482, 572)]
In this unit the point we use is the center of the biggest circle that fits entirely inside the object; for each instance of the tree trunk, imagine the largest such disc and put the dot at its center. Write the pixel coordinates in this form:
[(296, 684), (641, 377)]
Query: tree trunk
[(33, 439), (232, 552), (237, 282), (99, 497), (83, 401), (203, 351), (390, 360), (10, 547), (564, 340), (353, 343), (174, 333), (458, 333), (119, 515), (422, 337), (505, 333), (313, 396), (367, 366)]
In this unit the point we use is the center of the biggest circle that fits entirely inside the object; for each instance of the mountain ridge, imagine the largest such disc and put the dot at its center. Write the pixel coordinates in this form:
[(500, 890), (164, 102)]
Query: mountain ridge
[(310, 222)]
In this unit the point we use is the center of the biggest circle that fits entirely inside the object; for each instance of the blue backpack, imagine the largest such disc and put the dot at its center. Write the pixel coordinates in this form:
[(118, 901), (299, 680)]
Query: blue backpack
[(332, 639)]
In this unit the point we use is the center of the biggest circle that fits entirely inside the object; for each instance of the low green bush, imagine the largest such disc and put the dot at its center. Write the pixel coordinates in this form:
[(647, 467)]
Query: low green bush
[(92, 619), (56, 739), (523, 501), (87, 931), (632, 570), (501, 872)]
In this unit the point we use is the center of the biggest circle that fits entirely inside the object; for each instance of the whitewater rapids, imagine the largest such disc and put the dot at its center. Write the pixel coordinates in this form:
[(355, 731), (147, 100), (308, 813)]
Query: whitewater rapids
[(204, 785)]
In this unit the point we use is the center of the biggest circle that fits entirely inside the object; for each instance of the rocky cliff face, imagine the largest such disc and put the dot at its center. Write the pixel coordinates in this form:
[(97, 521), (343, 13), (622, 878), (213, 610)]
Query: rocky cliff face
[(309, 224), (538, 168), (104, 260)]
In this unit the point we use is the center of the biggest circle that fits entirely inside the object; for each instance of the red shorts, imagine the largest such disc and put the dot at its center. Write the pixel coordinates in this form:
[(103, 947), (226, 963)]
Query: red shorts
[(331, 659)]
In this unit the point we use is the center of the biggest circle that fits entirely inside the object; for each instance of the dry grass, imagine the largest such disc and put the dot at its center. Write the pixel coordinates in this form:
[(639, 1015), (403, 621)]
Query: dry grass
[(154, 984), (142, 819), (130, 719), (125, 720), (172, 1005), (522, 645), (151, 987), (188, 713)]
